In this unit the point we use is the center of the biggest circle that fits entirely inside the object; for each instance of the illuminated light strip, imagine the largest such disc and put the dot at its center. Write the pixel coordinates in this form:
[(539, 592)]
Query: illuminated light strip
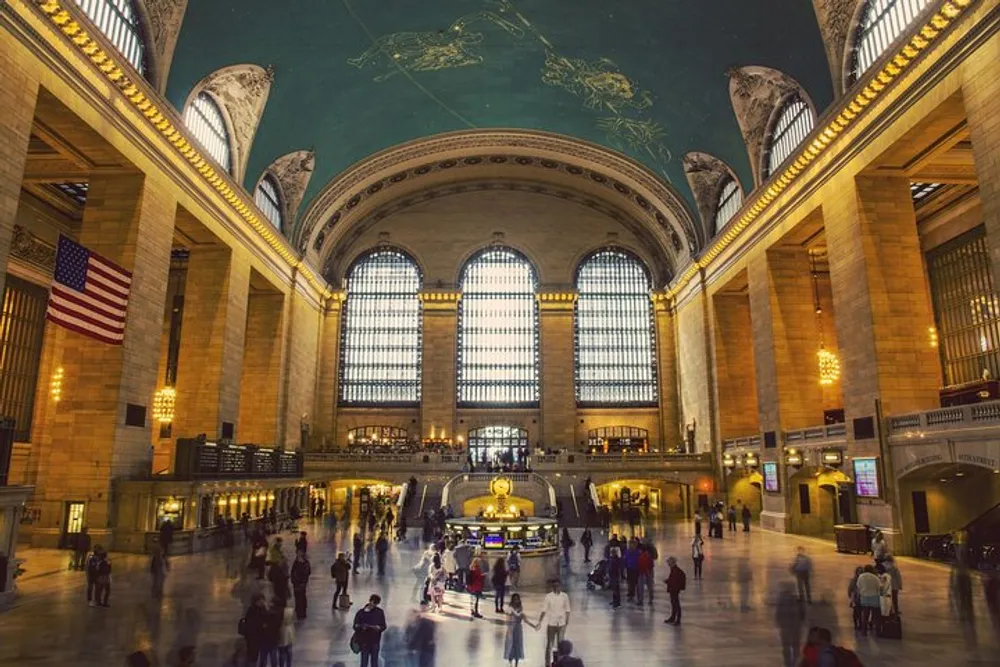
[(105, 63), (845, 118)]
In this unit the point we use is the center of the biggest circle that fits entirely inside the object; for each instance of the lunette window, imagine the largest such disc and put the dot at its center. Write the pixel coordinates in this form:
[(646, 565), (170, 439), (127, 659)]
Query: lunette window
[(204, 118), (882, 22), (730, 200), (794, 124), (268, 201), (119, 21)]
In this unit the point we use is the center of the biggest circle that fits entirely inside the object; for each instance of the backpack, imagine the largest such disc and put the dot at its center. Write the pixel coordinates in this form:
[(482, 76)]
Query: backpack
[(845, 657), (684, 579)]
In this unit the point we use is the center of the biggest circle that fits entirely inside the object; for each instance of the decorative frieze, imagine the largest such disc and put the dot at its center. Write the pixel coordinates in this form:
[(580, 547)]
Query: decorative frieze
[(28, 248)]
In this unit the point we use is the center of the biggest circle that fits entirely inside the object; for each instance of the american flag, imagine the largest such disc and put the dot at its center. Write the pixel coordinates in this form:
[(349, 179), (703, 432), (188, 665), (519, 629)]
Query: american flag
[(89, 294)]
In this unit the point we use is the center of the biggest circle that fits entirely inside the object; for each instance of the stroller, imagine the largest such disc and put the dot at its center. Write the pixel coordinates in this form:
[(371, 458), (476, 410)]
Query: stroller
[(598, 577)]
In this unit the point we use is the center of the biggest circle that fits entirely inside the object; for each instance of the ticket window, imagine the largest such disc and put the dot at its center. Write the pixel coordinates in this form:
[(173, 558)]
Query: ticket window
[(172, 509)]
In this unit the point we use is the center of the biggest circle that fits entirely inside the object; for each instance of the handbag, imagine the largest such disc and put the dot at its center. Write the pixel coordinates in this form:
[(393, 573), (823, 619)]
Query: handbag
[(355, 644)]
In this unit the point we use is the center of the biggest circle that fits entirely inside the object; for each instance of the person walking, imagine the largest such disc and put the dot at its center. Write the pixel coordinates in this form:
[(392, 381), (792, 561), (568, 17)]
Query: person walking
[(420, 641), (301, 571), (697, 523), (449, 564), (358, 545), (676, 582), (880, 548), (90, 569), (868, 591), (747, 515), (854, 597), (103, 582), (645, 569), (158, 567), (731, 516), (370, 551), (278, 576), (564, 655), (339, 572), (802, 569), (81, 549), (567, 544), (556, 612), (302, 543), (369, 624), (286, 635), (587, 541), (896, 580), (463, 559), (381, 551), (632, 567), (697, 554), (436, 577), (513, 642), (499, 584), (514, 567), (166, 536), (477, 579), (254, 626), (789, 619), (615, 575)]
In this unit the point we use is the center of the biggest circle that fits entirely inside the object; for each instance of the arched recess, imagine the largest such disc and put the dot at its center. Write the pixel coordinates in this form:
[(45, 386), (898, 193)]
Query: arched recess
[(836, 18), (292, 171), (756, 93), (241, 92), (598, 176), (161, 21), (707, 174)]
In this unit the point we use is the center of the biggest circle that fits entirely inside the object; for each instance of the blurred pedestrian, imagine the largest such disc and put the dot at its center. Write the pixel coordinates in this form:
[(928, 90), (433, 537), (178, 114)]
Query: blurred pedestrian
[(789, 619), (802, 569), (158, 567)]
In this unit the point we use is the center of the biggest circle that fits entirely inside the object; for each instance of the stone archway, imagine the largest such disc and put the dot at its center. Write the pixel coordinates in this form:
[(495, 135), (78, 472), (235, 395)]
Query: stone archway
[(819, 498)]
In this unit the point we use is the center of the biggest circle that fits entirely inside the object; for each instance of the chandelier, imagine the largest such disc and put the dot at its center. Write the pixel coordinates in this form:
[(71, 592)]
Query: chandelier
[(829, 364), (163, 405)]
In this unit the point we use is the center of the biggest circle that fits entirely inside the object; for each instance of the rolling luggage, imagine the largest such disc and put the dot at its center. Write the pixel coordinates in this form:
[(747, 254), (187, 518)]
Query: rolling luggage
[(345, 601), (890, 627)]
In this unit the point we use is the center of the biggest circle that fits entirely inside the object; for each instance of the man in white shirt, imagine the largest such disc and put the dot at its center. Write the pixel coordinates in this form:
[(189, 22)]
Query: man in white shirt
[(556, 612)]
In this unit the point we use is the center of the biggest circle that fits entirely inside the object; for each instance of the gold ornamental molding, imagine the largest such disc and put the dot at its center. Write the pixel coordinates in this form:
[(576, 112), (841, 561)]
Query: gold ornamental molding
[(119, 76), (556, 301), (440, 299), (840, 121)]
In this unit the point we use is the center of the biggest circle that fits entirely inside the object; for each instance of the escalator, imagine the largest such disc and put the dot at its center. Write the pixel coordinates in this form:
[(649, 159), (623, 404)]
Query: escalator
[(979, 539)]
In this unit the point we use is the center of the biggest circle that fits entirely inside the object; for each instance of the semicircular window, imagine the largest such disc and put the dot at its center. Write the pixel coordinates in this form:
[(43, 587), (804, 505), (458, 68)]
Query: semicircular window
[(615, 351), (882, 22), (380, 334), (119, 21), (795, 122), (268, 200), (204, 118), (730, 200), (498, 331)]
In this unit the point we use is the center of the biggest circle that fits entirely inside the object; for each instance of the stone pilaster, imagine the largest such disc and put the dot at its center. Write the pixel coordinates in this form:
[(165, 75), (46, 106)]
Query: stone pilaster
[(261, 380), (18, 94), (694, 370), (558, 377), (440, 348), (86, 444), (666, 358), (325, 424), (301, 365), (981, 95), (210, 363), (734, 366)]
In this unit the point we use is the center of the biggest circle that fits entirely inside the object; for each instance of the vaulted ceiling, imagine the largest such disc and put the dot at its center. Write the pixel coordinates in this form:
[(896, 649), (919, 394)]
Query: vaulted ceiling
[(645, 77)]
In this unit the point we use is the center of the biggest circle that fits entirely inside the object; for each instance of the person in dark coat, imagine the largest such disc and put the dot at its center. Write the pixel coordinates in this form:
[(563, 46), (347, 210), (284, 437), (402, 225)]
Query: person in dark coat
[(358, 546), (166, 536), (746, 516), (381, 551), (254, 626), (339, 571), (420, 638), (301, 570), (278, 575), (80, 550), (676, 582), (587, 541), (615, 574), (369, 624), (158, 567), (302, 543)]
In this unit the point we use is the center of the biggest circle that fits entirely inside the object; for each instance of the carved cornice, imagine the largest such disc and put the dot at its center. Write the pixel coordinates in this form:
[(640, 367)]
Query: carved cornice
[(241, 90), (164, 18), (755, 92), (443, 300), (836, 17), (656, 203), (663, 302), (705, 174), (557, 301), (32, 250), (293, 172), (161, 118)]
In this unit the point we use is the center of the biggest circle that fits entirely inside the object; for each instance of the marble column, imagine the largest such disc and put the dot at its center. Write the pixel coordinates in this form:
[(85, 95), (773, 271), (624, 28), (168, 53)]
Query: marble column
[(666, 372)]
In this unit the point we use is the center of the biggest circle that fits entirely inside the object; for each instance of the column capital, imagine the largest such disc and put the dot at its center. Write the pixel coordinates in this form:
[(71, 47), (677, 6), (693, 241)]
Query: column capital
[(335, 301), (662, 302), (440, 299), (560, 301)]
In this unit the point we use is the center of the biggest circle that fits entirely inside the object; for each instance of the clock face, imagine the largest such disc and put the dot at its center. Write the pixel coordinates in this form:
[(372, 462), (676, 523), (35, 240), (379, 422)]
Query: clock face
[(501, 486)]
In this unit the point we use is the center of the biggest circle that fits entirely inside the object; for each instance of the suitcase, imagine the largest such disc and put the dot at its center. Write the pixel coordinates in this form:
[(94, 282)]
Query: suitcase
[(890, 627), (345, 601)]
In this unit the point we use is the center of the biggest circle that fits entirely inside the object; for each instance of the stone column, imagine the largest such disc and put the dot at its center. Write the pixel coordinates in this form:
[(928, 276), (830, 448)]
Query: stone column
[(301, 364), (666, 361), (440, 353), (786, 339), (694, 368), (329, 372), (87, 443), (261, 380), (734, 366), (18, 95), (558, 376), (210, 362)]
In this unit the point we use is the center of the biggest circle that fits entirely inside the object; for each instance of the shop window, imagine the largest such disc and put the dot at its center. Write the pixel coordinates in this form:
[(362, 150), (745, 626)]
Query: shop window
[(616, 439), (378, 436)]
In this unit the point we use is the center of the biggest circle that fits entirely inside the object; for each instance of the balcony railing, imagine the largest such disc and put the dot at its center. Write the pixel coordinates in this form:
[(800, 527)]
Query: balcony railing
[(815, 435), (546, 462), (745, 442), (961, 416)]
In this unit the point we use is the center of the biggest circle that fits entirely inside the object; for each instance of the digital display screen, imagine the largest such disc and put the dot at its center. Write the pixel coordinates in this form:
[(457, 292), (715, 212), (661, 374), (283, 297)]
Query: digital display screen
[(866, 478), (771, 476), (493, 541)]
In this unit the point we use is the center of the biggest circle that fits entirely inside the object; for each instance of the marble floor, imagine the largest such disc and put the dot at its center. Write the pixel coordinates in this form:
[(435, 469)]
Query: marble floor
[(52, 625)]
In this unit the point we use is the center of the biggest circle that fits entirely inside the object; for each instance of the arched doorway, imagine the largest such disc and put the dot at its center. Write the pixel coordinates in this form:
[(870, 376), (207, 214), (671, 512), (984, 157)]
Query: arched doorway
[(497, 445), (819, 498)]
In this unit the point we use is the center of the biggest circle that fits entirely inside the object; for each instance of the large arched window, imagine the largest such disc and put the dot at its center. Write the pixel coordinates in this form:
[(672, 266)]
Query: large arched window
[(730, 200), (498, 331), (795, 122), (119, 21), (268, 200), (204, 118), (882, 21), (615, 353), (380, 335)]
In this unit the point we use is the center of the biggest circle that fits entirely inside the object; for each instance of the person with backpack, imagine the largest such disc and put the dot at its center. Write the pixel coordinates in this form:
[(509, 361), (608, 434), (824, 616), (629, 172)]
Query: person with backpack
[(339, 572), (676, 582), (587, 541)]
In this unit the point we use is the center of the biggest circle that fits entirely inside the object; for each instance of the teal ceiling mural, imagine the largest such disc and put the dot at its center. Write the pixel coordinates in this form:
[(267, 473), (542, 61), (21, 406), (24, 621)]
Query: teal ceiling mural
[(645, 77)]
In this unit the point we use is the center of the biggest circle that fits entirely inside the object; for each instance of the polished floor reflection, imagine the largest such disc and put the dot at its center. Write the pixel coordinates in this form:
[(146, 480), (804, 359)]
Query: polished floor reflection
[(729, 617)]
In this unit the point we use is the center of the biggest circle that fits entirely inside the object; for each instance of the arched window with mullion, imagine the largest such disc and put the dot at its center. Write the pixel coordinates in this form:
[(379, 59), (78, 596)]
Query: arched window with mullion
[(498, 331), (615, 349), (118, 20), (381, 331), (204, 119), (794, 122), (881, 24)]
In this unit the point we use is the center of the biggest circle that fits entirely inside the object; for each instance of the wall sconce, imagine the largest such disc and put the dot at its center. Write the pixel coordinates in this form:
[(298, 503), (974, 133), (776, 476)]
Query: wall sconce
[(270, 496), (728, 461), (233, 500), (222, 502), (172, 505), (55, 389), (751, 460), (164, 401), (833, 457), (793, 459), (932, 336)]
